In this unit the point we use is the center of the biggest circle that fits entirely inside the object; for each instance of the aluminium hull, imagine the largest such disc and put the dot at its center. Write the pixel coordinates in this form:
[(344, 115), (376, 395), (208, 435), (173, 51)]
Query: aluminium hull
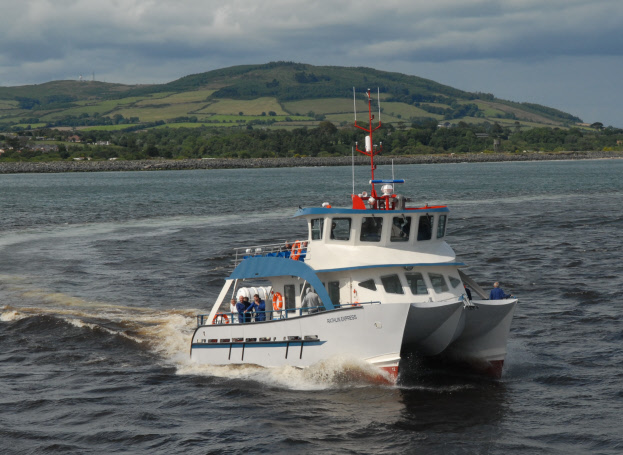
[(483, 335), (432, 326)]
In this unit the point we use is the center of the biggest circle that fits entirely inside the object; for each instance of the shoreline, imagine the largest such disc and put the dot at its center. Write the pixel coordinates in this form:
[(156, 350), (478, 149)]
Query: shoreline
[(250, 163)]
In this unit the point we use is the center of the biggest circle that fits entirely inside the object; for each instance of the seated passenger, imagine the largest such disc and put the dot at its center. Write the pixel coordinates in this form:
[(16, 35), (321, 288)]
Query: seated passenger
[(497, 293)]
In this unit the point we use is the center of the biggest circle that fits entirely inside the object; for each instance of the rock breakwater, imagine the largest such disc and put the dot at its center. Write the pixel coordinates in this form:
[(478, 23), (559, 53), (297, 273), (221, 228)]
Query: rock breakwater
[(221, 163)]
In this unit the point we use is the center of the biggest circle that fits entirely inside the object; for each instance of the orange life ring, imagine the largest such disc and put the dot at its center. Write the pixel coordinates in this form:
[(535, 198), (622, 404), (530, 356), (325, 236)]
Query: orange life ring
[(297, 249), (223, 316), (277, 301)]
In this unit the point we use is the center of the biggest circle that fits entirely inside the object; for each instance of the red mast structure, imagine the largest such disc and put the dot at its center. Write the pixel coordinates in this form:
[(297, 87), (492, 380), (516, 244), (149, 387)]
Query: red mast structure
[(370, 149)]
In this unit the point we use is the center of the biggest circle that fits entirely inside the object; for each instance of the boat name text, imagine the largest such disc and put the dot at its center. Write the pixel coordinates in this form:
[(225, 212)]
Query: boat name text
[(351, 317)]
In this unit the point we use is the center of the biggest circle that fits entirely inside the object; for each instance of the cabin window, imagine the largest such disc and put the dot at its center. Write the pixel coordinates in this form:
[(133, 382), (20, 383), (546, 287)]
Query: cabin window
[(289, 297), (368, 284), (317, 225), (416, 283), (441, 226), (438, 282), (334, 292), (401, 226), (454, 281), (340, 229), (425, 228), (392, 284), (371, 228)]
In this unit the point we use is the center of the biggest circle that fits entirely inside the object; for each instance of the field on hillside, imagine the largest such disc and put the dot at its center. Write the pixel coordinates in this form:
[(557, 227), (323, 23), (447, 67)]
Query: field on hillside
[(325, 106), (177, 98), (247, 107)]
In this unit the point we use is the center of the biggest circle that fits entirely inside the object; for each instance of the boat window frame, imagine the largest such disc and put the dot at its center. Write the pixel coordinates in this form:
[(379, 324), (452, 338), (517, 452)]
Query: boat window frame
[(442, 226), (458, 280), (401, 287), (312, 231), (289, 298), (441, 290), (423, 282), (430, 227), (367, 236), (333, 289), (403, 236), (371, 280), (350, 227)]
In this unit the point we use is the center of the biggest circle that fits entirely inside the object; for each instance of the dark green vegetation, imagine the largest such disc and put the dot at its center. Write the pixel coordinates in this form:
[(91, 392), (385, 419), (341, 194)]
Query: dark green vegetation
[(323, 140), (276, 109)]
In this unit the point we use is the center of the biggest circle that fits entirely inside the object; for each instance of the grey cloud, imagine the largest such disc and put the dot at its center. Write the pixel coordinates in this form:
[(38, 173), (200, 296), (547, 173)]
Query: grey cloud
[(42, 40)]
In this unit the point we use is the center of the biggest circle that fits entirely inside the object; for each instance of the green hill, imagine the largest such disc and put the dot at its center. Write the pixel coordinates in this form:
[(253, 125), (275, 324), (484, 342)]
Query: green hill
[(281, 94)]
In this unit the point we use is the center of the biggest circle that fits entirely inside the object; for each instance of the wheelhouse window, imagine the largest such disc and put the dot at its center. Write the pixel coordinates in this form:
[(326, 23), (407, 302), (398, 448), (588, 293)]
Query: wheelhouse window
[(454, 281), (317, 225), (392, 284), (425, 228), (340, 229), (401, 225), (438, 282), (441, 226), (371, 228), (416, 283), (368, 284)]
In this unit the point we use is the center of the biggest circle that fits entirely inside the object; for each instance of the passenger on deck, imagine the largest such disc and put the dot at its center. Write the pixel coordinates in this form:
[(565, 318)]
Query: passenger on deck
[(240, 308), (497, 293), (247, 304), (232, 306), (259, 306), (468, 292), (312, 301)]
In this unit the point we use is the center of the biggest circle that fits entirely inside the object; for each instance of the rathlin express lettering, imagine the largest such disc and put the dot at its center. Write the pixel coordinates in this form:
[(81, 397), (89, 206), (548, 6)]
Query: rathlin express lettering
[(352, 317)]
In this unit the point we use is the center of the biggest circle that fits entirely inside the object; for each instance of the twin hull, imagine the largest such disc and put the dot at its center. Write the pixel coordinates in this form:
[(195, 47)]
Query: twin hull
[(375, 333)]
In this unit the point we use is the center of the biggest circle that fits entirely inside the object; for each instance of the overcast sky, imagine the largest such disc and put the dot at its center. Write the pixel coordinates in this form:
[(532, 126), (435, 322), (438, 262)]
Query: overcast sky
[(565, 54)]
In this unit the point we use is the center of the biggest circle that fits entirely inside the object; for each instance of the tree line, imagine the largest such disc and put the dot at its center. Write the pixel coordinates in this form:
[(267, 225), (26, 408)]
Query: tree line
[(324, 140)]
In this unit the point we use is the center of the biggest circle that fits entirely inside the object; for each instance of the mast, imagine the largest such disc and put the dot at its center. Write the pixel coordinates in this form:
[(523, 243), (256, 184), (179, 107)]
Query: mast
[(387, 200), (370, 149)]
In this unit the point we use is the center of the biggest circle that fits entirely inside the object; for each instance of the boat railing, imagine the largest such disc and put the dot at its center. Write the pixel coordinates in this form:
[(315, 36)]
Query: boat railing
[(285, 249), (275, 315)]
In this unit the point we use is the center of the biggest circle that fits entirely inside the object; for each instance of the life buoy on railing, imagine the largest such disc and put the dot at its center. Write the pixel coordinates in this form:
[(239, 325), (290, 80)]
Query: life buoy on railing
[(277, 301), (220, 317), (297, 249)]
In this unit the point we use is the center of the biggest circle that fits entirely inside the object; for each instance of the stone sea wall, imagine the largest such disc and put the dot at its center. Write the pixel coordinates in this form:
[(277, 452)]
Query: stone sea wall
[(219, 163)]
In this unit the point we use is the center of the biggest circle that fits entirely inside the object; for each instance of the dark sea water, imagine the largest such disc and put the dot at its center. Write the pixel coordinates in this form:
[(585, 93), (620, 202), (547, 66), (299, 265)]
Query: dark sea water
[(101, 275)]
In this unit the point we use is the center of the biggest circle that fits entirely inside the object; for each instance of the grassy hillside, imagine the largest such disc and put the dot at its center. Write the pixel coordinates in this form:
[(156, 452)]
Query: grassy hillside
[(279, 94)]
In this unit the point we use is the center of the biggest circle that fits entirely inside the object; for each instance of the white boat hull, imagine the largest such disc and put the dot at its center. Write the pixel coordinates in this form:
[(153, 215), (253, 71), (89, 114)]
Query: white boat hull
[(369, 332)]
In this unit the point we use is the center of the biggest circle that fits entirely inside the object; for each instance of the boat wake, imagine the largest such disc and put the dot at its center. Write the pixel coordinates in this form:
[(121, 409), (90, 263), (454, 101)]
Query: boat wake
[(166, 333), (335, 372)]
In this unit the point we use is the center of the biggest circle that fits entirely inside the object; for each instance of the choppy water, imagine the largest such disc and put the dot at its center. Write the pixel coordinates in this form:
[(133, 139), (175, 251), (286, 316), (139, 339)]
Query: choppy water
[(101, 276)]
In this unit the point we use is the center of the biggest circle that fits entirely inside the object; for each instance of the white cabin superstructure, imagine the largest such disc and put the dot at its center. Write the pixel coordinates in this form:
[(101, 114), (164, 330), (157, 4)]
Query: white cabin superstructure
[(386, 282)]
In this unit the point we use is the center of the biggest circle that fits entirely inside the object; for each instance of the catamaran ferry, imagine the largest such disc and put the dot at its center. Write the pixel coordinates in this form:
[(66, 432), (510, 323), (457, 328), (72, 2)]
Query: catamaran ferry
[(371, 281)]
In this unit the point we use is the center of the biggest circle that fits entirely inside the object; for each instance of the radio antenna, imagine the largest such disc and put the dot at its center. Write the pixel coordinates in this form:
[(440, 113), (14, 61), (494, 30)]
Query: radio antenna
[(355, 105), (352, 150)]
